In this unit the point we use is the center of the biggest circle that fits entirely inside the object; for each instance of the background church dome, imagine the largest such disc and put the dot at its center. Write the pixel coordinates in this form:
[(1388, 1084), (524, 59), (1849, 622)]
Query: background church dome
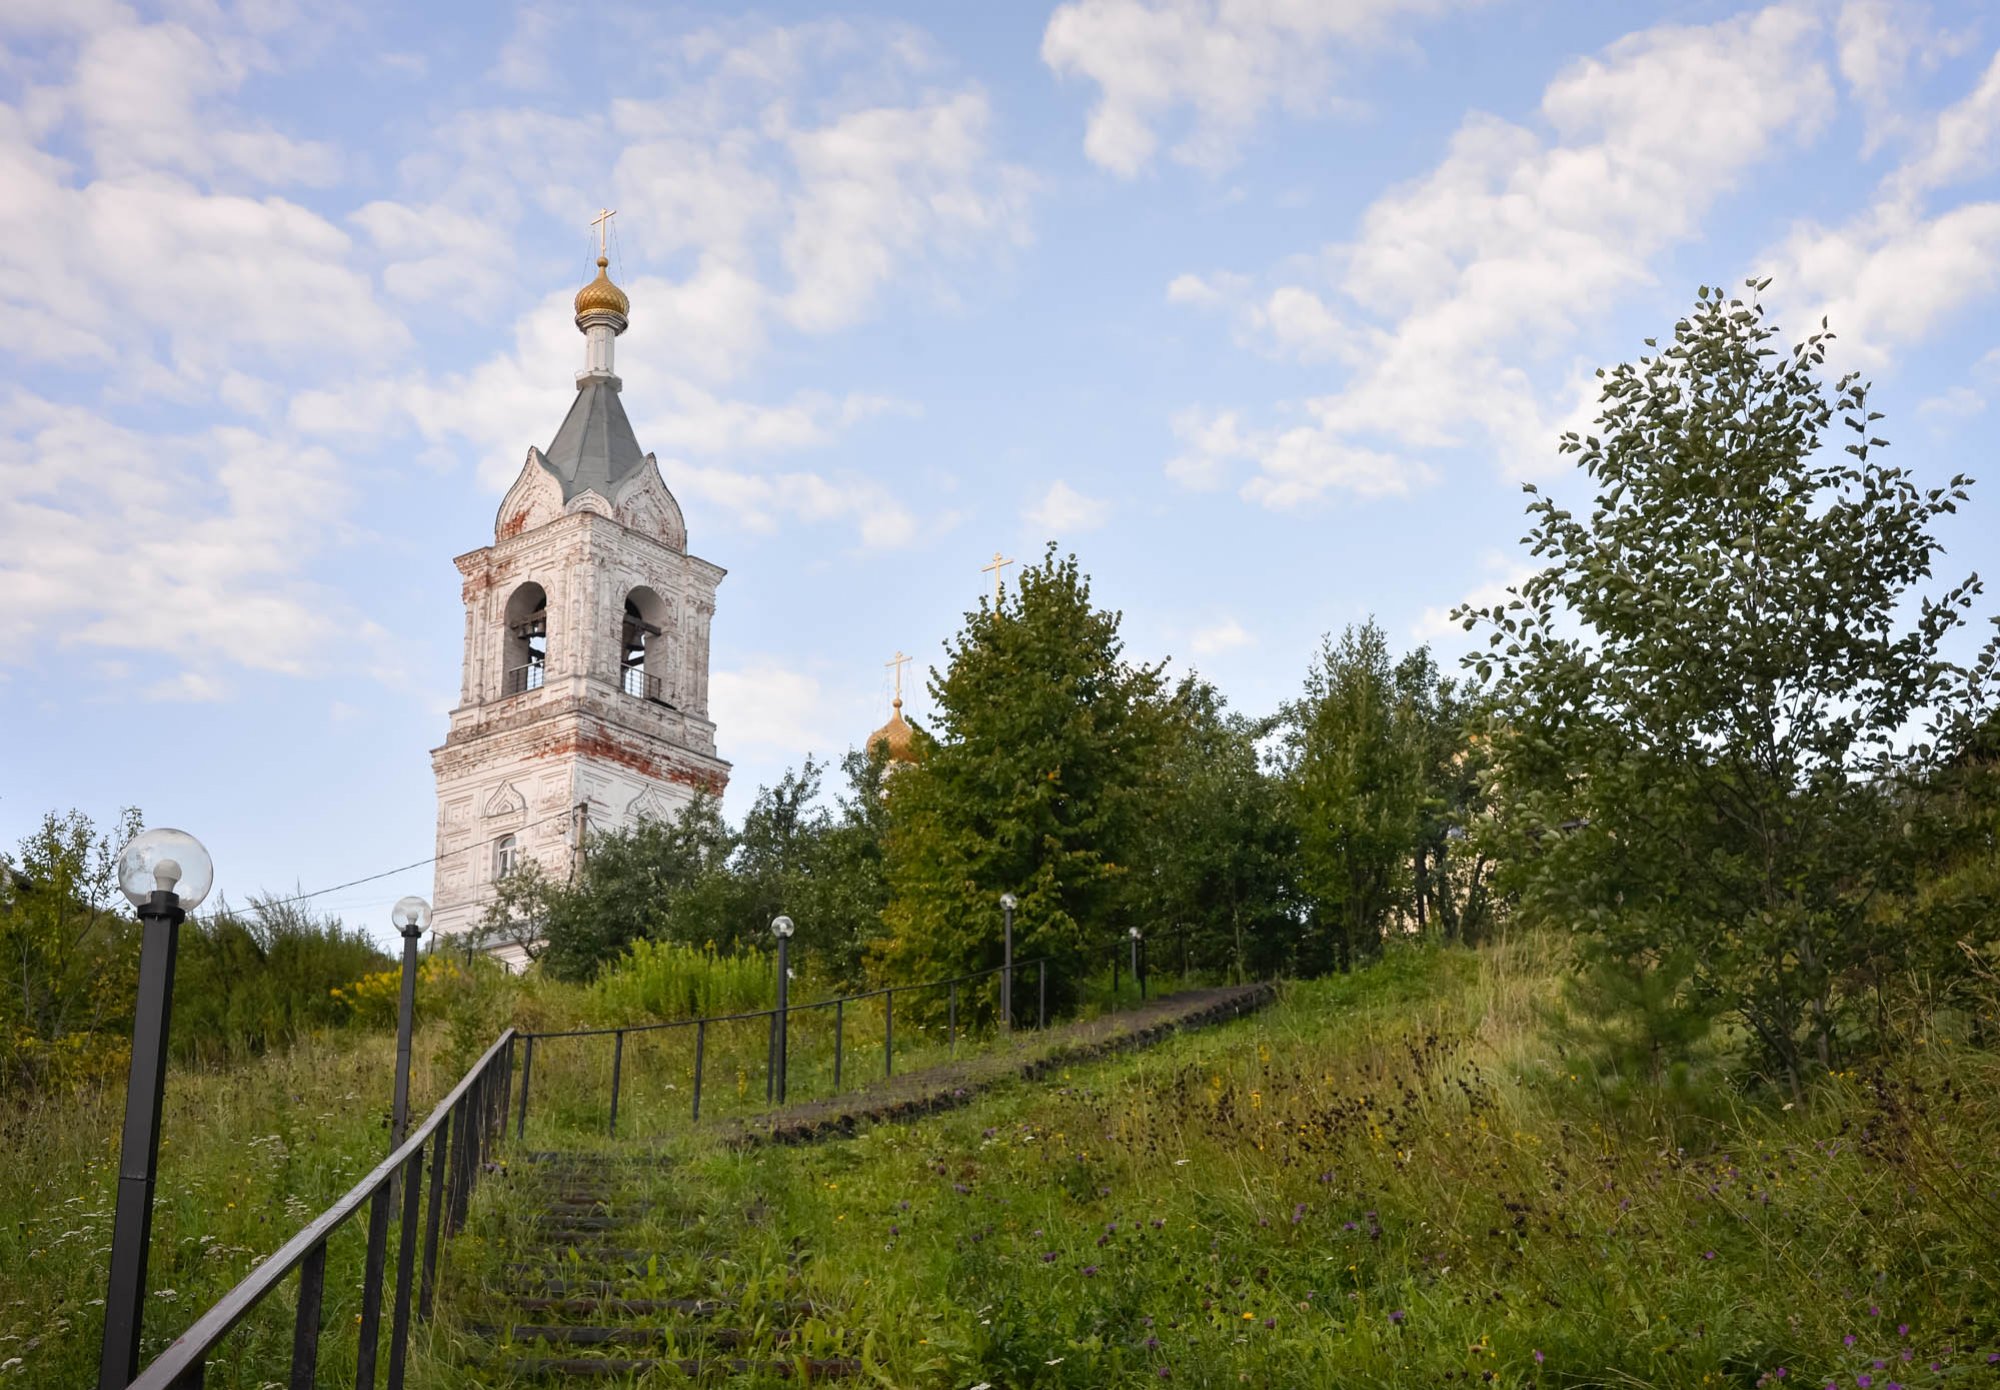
[(897, 733), (600, 296)]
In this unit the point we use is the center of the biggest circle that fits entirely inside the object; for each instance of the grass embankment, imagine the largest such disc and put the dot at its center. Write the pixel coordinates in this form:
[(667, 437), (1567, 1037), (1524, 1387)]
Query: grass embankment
[(248, 1155), (1390, 1179)]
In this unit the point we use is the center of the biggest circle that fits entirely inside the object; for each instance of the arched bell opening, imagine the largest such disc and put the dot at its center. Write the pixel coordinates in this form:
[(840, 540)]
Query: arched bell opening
[(524, 665), (643, 647)]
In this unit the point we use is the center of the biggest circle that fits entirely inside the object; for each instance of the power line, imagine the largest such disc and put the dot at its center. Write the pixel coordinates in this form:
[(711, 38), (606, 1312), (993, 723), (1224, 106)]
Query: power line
[(391, 873)]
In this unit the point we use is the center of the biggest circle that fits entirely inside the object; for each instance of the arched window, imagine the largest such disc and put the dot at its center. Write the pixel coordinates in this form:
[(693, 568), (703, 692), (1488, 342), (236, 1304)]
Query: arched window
[(506, 856), (526, 656), (643, 648)]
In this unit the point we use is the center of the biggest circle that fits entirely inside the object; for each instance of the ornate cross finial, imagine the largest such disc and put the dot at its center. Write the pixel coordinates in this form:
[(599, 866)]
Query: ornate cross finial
[(897, 664), (995, 568), (603, 224)]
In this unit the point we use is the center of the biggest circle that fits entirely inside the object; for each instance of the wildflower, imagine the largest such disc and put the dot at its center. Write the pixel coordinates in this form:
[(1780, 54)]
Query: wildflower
[(1538, 1356), (1249, 1317), (1270, 1323), (1166, 1374), (1152, 1344), (1708, 1254), (1049, 1257), (1090, 1271), (1864, 1380), (1848, 1340), (1398, 1315), (1902, 1329)]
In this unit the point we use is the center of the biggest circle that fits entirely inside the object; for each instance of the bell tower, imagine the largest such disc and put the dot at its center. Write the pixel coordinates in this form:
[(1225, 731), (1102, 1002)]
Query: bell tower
[(584, 704)]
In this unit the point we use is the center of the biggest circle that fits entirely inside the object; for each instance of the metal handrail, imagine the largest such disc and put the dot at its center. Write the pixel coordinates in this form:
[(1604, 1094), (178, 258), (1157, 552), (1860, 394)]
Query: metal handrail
[(767, 1013), (182, 1365)]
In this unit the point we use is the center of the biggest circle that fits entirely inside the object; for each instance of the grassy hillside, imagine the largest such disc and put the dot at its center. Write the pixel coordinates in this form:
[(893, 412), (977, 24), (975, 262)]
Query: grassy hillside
[(1393, 1178)]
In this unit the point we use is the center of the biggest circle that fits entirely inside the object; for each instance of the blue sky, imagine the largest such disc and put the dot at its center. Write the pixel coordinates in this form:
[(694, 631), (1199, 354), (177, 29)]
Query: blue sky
[(1265, 308)]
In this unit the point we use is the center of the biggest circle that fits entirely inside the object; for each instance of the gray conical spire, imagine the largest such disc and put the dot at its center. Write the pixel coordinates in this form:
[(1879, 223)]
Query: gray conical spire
[(595, 450)]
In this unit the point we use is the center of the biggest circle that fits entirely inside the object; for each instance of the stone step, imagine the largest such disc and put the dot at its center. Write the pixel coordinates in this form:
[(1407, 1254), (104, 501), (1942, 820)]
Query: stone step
[(576, 1335), (553, 1367)]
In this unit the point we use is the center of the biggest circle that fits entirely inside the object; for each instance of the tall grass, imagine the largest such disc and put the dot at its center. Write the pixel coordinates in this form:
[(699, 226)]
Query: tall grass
[(1399, 1178)]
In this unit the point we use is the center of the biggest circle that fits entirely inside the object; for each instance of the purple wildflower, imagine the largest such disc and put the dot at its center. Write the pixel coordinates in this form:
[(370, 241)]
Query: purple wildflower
[(1708, 1254), (1398, 1315), (1538, 1356), (1090, 1271)]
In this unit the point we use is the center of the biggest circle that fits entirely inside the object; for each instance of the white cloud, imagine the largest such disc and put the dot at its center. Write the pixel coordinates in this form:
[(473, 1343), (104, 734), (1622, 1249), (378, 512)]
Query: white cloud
[(188, 547), (1468, 276), (774, 711), (143, 96), (1224, 636), (1225, 62), (1898, 270), (762, 502), (1065, 511)]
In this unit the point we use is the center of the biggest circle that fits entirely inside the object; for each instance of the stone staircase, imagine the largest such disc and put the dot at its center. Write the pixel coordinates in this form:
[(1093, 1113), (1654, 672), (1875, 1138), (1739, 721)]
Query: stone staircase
[(609, 1277), (605, 1285)]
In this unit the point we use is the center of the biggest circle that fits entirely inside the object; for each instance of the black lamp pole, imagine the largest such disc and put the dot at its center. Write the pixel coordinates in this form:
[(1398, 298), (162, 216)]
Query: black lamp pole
[(160, 918), (406, 1010)]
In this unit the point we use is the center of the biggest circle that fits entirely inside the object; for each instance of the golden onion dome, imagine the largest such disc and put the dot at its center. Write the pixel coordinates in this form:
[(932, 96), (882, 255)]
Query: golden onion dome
[(898, 735), (600, 296)]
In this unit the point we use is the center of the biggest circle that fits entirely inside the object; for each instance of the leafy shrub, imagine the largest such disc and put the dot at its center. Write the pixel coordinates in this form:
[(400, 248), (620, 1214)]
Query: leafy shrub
[(663, 979)]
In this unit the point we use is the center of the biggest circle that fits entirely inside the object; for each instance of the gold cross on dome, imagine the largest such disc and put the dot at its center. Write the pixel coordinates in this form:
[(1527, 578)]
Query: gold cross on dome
[(603, 224), (995, 568), (897, 664)]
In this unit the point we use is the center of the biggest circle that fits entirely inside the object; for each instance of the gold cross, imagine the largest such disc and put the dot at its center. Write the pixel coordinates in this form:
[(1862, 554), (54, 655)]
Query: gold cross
[(603, 224), (897, 665), (995, 568)]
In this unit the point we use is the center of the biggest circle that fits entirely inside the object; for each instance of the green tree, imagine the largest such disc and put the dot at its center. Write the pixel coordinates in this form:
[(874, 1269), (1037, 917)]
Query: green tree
[(1036, 780), (1450, 873), (1706, 700), (69, 950), (1215, 889), (1356, 776)]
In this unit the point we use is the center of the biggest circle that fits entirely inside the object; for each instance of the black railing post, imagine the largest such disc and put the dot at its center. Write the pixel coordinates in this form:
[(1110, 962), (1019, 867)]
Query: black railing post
[(700, 1047), (139, 1153), (1041, 995), (461, 1144), (1114, 978), (507, 1091), (440, 1159), (889, 1033), (371, 1289), (951, 1017), (406, 1260), (1007, 962), (527, 1074), (839, 1033), (617, 1065), (1137, 978), (305, 1327)]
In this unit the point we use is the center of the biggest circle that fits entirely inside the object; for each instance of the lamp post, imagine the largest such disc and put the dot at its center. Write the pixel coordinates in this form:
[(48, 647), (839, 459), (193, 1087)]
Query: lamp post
[(781, 927), (164, 873), (1136, 938), (1008, 902), (411, 915)]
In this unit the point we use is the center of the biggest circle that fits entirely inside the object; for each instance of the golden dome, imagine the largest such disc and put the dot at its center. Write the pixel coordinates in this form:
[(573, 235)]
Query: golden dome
[(600, 296), (900, 737)]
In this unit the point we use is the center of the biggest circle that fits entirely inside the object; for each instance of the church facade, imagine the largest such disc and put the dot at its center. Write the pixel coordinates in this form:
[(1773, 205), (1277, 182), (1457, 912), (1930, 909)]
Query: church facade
[(584, 703)]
